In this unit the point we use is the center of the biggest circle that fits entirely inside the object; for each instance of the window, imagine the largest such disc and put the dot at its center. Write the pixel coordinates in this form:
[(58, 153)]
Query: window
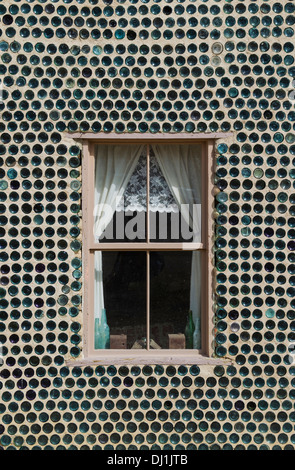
[(146, 243)]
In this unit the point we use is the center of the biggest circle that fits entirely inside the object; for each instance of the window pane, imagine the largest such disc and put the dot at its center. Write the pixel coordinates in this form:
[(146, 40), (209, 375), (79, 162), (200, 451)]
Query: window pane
[(175, 192), (171, 276), (124, 291), (121, 302), (120, 193)]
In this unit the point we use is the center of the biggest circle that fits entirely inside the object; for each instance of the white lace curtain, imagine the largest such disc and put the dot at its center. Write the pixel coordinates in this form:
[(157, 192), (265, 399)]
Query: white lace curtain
[(160, 197), (181, 170)]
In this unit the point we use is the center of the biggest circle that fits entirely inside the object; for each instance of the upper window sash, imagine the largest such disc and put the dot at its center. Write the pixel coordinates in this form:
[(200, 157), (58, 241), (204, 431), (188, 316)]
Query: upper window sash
[(89, 208)]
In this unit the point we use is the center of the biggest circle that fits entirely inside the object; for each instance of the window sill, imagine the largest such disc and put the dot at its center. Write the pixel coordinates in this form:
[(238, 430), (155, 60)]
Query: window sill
[(122, 357)]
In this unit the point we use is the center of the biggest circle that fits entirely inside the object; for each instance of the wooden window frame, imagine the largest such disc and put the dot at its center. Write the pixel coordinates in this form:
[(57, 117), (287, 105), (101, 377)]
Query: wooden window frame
[(142, 356)]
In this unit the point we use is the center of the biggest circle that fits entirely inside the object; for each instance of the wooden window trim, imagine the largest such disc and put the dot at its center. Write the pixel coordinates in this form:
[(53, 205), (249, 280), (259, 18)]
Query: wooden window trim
[(92, 356)]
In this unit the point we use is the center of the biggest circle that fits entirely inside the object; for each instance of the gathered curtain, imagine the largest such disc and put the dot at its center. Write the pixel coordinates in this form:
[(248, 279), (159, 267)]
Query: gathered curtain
[(114, 167), (181, 167)]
